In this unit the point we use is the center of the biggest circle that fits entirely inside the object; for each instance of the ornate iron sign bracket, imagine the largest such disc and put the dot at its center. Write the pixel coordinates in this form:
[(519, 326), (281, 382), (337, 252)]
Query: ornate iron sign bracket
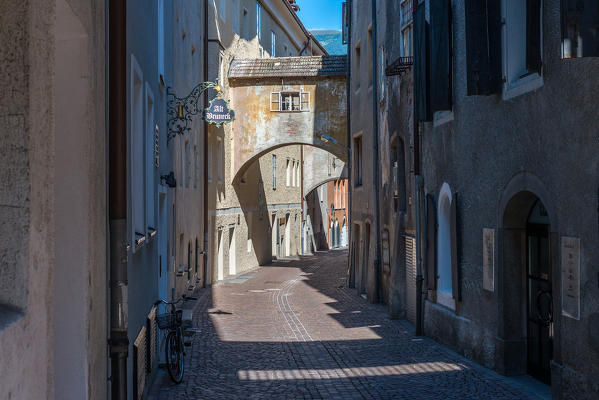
[(180, 110)]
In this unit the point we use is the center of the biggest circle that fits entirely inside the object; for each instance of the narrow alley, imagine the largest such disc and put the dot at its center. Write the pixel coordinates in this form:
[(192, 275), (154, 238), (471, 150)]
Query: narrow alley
[(293, 329)]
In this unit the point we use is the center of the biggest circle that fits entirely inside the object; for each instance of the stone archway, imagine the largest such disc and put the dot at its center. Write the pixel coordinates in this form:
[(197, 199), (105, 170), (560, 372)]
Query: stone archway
[(518, 298)]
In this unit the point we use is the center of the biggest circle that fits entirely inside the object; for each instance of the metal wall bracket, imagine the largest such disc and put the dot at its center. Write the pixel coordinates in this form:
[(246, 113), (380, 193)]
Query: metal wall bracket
[(180, 110)]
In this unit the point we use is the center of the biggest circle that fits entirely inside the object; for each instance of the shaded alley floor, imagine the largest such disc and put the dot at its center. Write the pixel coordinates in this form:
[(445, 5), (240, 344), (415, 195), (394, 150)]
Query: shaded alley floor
[(293, 330)]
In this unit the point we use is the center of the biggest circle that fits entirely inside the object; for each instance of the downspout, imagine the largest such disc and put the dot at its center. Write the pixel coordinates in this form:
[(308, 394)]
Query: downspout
[(418, 189), (351, 272), (117, 197), (206, 216), (375, 161)]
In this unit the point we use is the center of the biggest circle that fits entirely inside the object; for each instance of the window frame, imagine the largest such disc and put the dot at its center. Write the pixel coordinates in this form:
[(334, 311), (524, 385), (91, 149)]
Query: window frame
[(358, 160), (273, 44), (529, 81), (258, 20), (304, 106)]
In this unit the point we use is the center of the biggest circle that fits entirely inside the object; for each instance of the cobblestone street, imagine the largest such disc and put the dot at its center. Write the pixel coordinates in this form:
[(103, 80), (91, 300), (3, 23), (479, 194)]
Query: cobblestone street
[(294, 330)]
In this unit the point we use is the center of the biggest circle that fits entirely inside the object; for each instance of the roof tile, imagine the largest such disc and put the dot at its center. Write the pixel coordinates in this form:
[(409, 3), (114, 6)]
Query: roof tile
[(289, 67)]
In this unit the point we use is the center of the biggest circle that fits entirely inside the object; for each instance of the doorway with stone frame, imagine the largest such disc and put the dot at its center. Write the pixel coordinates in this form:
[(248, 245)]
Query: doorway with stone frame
[(527, 331)]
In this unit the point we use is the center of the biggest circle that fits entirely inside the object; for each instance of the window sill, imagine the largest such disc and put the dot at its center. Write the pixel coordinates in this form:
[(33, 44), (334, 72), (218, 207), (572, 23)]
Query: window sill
[(8, 316), (445, 300), (289, 111), (442, 117), (522, 86)]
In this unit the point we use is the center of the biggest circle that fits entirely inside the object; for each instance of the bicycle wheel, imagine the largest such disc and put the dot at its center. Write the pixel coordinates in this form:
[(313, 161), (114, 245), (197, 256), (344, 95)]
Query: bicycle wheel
[(174, 357)]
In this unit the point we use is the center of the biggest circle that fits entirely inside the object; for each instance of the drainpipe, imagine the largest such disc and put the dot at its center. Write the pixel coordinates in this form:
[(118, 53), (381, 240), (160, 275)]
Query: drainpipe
[(117, 197), (351, 281), (418, 191), (375, 160), (206, 217)]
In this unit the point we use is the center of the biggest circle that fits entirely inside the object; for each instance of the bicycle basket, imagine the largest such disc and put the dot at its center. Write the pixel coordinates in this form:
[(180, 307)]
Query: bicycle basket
[(165, 321)]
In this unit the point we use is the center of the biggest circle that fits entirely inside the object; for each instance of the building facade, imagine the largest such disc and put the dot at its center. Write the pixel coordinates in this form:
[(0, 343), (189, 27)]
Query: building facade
[(383, 229), (493, 226), (250, 227), (53, 290), (508, 165)]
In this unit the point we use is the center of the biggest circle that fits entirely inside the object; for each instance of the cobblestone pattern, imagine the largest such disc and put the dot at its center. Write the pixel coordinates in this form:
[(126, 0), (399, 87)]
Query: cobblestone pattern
[(294, 331)]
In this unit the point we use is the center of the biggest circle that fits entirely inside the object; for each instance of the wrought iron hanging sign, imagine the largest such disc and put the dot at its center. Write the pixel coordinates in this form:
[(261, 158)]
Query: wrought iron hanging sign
[(218, 112), (180, 110)]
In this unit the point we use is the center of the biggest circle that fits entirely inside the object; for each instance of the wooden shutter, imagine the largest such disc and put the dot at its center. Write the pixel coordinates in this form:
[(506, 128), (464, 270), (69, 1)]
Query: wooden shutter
[(455, 275), (421, 65), (533, 35), (275, 101), (305, 101), (580, 28), (483, 47), (431, 242), (440, 61)]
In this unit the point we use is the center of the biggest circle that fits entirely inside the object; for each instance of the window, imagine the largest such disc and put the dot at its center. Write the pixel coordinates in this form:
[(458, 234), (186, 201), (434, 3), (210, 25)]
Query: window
[(220, 159), (446, 248), (357, 65), (137, 169), (369, 59), (357, 152), (290, 101), (273, 44), (406, 28), (293, 173), (298, 173), (187, 164), (521, 46), (222, 9), (288, 178), (258, 20), (580, 28), (399, 175), (236, 14), (274, 172), (150, 162), (221, 69), (210, 161), (245, 24), (196, 171)]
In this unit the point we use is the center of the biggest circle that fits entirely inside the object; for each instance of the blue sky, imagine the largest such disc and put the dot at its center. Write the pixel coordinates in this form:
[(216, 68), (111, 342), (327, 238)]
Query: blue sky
[(320, 14)]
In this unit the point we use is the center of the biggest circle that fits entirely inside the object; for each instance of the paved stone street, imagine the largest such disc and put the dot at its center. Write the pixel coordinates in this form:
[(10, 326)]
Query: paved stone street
[(293, 330)]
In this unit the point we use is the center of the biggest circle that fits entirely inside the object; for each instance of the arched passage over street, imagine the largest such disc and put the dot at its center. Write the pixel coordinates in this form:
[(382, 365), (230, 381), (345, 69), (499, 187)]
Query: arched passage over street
[(285, 101), (321, 167)]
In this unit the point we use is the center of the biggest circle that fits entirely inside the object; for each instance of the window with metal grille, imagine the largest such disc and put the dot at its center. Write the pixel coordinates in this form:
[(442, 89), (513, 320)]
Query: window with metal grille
[(290, 101)]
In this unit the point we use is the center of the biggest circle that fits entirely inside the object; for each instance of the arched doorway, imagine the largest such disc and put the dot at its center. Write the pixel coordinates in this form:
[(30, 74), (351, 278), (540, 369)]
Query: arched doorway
[(527, 287)]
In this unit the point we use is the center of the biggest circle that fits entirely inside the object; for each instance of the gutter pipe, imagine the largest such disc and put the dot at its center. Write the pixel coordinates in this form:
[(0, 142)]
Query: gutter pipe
[(351, 272), (117, 197), (375, 161), (206, 216), (418, 189)]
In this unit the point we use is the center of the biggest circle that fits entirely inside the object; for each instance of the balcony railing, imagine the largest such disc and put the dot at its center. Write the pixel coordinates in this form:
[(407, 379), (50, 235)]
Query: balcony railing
[(399, 66)]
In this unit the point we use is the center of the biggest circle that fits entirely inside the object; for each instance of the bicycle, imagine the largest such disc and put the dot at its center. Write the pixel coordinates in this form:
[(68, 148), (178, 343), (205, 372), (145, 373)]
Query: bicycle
[(174, 351)]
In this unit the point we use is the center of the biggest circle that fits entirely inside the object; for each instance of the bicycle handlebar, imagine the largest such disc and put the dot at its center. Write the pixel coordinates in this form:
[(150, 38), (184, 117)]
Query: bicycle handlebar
[(172, 303)]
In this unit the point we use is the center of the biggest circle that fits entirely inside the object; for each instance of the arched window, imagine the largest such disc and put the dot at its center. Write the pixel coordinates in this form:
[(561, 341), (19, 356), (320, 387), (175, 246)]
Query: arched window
[(444, 245)]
